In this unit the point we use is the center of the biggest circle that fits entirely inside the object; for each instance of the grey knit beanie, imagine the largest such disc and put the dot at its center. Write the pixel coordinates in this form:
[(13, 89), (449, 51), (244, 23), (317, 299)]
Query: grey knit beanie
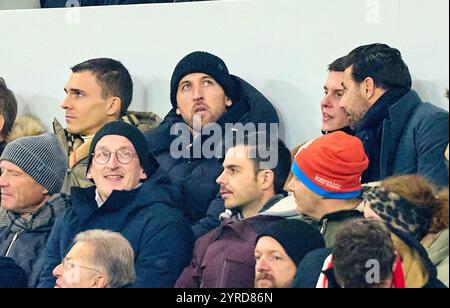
[(41, 157)]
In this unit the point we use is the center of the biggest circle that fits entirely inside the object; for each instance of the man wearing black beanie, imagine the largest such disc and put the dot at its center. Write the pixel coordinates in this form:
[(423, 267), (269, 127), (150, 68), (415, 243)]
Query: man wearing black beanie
[(279, 250), (130, 197), (203, 94)]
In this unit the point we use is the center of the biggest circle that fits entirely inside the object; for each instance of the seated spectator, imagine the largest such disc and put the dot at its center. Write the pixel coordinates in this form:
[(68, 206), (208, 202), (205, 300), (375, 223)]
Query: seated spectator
[(334, 118), (203, 89), (132, 197), (327, 181), (224, 257), (400, 133), (415, 212), (33, 171), (13, 276), (98, 259), (98, 91), (279, 250), (363, 256)]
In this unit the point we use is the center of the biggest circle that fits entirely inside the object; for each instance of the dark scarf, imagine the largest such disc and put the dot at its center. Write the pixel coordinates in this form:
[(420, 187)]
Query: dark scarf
[(399, 213), (370, 131)]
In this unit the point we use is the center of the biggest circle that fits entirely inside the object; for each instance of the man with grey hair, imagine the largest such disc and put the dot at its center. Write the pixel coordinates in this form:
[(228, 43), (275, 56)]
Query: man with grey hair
[(32, 174), (98, 259)]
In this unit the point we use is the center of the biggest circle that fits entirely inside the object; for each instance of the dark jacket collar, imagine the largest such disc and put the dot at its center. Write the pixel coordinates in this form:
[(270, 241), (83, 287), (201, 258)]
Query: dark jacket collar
[(380, 110)]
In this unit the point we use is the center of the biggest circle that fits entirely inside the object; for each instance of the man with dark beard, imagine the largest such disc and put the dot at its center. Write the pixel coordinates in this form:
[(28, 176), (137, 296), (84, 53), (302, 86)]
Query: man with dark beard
[(279, 250)]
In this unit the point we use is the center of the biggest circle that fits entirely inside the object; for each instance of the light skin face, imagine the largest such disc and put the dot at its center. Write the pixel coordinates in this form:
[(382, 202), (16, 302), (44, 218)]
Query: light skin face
[(308, 203), (333, 117), (78, 271), (200, 96), (115, 175), (86, 110), (274, 268), (240, 187), (358, 97), (20, 192)]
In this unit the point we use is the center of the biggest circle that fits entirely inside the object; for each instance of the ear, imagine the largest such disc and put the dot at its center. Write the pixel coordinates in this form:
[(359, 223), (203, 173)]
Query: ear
[(267, 179), (178, 111), (143, 175), (114, 106), (45, 192), (228, 102), (367, 88), (99, 282)]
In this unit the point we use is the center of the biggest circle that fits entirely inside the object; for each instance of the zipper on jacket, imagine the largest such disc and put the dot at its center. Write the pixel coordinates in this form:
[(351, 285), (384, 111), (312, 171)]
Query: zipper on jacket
[(222, 276), (16, 235)]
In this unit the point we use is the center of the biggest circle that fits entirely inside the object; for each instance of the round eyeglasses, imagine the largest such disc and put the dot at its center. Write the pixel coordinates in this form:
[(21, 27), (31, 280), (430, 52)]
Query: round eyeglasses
[(124, 156)]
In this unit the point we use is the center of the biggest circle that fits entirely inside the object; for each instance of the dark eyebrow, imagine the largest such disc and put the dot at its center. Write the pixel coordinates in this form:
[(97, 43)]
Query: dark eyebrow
[(232, 166), (342, 83), (76, 91)]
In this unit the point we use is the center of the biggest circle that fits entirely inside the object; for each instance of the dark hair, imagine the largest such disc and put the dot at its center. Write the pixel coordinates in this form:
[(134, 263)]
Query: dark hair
[(8, 108), (112, 76), (338, 65), (357, 242), (263, 148), (380, 62)]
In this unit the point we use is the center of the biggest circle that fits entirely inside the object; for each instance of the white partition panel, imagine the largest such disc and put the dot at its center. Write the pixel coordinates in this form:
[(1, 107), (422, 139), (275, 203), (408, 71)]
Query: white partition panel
[(282, 47)]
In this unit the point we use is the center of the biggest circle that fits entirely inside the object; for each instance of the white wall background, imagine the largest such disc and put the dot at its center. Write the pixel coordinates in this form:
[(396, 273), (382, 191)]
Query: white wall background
[(282, 47)]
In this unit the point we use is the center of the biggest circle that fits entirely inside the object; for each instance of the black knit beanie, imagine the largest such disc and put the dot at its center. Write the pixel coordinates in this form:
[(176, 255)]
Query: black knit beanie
[(147, 160), (297, 237), (202, 62)]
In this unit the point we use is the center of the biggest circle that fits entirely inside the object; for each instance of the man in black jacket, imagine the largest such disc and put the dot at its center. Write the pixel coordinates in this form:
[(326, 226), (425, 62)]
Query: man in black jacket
[(202, 89)]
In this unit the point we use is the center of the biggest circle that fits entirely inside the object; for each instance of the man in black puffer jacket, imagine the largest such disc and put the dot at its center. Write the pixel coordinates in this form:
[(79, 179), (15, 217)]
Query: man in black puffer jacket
[(202, 88)]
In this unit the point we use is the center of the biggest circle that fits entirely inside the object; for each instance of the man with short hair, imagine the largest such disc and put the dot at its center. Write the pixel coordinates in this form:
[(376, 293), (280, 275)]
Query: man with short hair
[(204, 97), (334, 118), (327, 181), (131, 196), (400, 133), (99, 91), (279, 250), (33, 171), (250, 184), (98, 259)]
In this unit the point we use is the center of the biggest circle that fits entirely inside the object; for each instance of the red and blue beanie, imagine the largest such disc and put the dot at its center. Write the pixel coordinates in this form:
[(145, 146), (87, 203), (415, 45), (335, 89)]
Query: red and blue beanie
[(331, 166)]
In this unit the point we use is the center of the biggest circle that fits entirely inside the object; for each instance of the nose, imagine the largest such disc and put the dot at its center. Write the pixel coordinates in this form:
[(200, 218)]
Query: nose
[(291, 185), (262, 265), (326, 102), (198, 92), (3, 182), (57, 272), (221, 179), (112, 163), (65, 104)]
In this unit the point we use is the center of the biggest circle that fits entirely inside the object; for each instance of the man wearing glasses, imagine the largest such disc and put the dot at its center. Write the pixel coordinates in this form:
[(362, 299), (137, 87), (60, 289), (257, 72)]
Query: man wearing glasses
[(98, 259), (130, 197)]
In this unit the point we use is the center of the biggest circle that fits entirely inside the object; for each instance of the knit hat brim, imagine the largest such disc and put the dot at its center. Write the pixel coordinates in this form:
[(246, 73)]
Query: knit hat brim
[(298, 173)]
